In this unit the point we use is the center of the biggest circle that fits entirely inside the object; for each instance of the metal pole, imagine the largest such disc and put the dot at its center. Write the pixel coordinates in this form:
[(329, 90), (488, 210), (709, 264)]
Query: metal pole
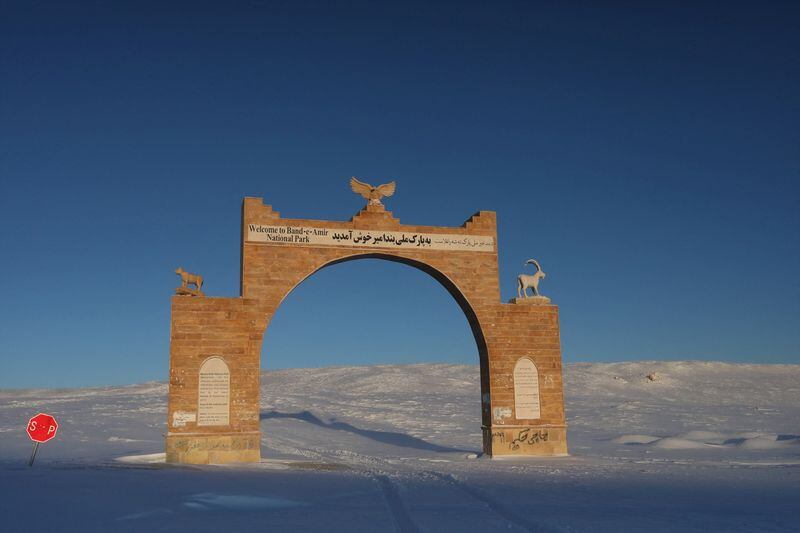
[(33, 454)]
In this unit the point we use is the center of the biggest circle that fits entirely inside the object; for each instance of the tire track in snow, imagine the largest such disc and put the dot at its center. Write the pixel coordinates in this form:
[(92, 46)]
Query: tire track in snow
[(402, 522), (502, 510)]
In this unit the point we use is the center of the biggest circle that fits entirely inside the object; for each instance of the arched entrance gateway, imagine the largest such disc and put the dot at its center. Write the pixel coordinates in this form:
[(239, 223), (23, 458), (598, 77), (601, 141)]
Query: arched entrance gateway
[(215, 343)]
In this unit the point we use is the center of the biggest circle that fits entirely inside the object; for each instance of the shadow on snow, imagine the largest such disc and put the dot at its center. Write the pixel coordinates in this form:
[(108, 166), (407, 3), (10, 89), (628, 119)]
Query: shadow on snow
[(387, 437)]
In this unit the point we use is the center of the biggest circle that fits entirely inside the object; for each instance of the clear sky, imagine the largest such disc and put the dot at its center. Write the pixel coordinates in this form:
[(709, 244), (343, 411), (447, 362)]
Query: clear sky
[(646, 153)]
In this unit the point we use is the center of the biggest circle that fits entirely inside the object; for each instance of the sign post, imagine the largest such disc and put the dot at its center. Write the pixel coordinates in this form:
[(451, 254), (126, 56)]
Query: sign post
[(41, 428)]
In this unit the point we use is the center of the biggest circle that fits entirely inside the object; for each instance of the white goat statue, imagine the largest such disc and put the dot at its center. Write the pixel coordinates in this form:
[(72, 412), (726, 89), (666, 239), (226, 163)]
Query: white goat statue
[(524, 280)]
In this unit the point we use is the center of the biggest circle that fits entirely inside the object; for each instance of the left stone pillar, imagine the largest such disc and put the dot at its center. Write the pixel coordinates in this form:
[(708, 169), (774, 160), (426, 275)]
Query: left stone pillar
[(214, 363)]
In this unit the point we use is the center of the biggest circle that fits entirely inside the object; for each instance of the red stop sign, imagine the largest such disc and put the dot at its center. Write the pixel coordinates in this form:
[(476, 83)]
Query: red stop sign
[(42, 427)]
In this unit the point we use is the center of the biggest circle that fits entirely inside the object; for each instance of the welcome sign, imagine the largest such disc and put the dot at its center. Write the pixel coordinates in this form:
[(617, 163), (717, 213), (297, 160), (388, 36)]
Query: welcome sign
[(358, 238)]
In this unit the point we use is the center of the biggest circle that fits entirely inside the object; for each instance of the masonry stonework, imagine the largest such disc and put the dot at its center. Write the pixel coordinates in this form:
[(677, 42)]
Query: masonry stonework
[(462, 261)]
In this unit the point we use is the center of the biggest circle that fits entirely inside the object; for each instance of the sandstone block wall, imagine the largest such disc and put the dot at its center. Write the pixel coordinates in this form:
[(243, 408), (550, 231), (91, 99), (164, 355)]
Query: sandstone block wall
[(202, 328), (233, 328)]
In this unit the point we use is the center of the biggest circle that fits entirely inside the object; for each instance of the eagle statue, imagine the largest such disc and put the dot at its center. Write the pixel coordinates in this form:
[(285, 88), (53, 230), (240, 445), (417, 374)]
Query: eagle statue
[(373, 194)]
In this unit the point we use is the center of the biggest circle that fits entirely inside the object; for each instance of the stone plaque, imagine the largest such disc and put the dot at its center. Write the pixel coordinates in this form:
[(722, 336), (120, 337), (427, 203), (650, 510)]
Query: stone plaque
[(358, 238), (526, 390), (180, 418), (214, 393)]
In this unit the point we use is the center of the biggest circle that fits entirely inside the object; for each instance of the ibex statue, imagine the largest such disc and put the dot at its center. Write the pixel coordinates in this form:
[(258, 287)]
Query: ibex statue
[(524, 280), (186, 279)]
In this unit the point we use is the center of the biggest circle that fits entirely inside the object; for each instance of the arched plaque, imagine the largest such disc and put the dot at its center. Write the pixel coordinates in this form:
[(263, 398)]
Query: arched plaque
[(214, 393), (526, 390)]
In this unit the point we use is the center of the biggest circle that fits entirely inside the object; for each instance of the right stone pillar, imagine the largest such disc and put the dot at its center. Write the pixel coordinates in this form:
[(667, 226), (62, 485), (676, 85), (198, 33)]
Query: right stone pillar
[(526, 403)]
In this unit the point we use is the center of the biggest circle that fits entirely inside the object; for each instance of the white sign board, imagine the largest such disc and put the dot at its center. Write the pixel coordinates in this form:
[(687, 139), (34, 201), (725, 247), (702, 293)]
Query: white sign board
[(214, 393), (526, 390), (180, 418), (360, 238)]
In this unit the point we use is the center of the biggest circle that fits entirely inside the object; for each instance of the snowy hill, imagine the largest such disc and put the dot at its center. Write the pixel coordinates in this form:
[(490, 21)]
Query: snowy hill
[(694, 446)]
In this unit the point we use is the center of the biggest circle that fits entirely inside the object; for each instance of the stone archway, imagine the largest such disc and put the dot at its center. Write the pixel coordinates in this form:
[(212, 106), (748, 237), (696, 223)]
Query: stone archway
[(279, 253)]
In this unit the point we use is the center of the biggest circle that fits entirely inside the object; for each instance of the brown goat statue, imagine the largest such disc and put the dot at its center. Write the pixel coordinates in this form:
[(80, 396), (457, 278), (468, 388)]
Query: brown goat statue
[(187, 278)]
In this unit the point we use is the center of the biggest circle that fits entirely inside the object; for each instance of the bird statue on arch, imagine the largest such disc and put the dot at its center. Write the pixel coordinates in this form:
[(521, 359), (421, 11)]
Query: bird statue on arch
[(373, 194)]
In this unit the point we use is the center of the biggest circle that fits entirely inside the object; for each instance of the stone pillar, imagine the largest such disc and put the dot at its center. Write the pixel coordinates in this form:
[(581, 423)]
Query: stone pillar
[(530, 331), (211, 420)]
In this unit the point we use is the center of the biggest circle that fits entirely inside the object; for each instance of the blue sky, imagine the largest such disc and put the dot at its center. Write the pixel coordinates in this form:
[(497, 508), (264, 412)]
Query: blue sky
[(648, 155)]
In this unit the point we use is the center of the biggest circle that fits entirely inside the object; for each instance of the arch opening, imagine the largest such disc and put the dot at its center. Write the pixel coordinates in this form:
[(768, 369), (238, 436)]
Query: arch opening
[(450, 286), (292, 381)]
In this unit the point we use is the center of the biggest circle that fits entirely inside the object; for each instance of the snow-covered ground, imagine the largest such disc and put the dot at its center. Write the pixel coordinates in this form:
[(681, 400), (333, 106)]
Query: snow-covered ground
[(695, 447)]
